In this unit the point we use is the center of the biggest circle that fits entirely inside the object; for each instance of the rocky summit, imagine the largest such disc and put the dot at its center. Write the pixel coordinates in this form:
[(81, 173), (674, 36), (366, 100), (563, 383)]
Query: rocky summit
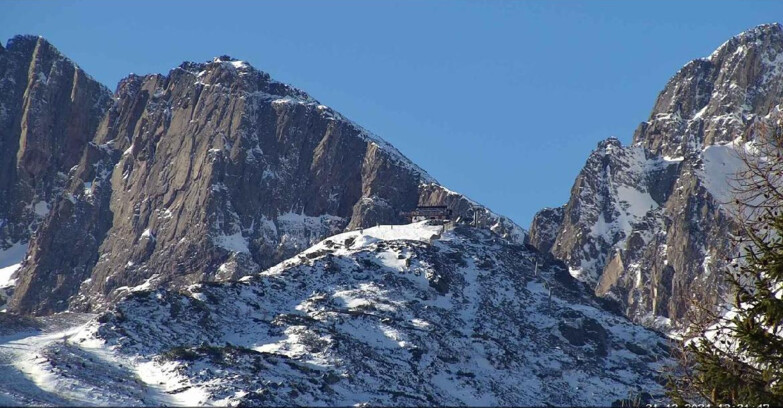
[(210, 173), (649, 224)]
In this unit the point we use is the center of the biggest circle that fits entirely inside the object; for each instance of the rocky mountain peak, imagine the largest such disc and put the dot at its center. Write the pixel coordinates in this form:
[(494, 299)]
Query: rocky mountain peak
[(711, 99), (647, 224), (27, 42), (240, 76), (211, 172)]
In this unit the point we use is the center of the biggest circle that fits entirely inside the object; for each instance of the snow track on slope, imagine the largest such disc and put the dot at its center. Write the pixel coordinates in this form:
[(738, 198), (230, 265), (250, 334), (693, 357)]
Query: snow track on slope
[(59, 366)]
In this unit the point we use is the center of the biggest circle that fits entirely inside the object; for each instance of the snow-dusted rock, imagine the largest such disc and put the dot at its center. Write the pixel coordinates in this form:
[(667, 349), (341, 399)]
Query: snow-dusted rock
[(647, 224), (392, 315)]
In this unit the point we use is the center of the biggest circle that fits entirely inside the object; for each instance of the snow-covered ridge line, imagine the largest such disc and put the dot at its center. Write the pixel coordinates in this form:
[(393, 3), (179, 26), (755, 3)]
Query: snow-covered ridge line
[(360, 239)]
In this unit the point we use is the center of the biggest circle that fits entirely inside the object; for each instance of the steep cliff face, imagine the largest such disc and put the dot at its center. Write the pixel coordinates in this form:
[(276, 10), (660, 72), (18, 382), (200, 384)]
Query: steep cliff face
[(213, 172), (648, 224), (49, 109)]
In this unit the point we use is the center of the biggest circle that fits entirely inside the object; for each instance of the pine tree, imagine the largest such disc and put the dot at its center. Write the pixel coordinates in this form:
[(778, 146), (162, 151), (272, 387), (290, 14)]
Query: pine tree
[(738, 357)]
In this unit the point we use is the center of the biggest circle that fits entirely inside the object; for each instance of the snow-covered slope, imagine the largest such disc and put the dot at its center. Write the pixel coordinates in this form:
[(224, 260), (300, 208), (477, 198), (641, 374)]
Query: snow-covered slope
[(390, 315)]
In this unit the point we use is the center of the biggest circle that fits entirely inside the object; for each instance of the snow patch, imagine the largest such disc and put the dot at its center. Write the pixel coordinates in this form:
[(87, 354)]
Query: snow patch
[(41, 208), (234, 242), (637, 203), (165, 376), (722, 163), (10, 261)]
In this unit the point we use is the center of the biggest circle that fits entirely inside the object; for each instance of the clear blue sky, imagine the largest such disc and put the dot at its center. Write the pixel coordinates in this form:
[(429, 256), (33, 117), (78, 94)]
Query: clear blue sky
[(501, 101)]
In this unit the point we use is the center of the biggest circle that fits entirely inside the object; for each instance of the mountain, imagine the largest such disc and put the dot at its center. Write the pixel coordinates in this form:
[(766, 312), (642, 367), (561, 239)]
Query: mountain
[(213, 236), (212, 172), (649, 224), (391, 315)]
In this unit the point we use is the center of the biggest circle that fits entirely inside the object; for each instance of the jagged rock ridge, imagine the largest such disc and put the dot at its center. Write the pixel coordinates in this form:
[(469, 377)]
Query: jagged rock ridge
[(648, 224)]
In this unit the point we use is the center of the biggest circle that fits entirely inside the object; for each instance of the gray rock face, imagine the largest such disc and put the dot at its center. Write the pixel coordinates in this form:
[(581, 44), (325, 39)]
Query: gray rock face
[(647, 224), (49, 110), (212, 172), (546, 224)]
